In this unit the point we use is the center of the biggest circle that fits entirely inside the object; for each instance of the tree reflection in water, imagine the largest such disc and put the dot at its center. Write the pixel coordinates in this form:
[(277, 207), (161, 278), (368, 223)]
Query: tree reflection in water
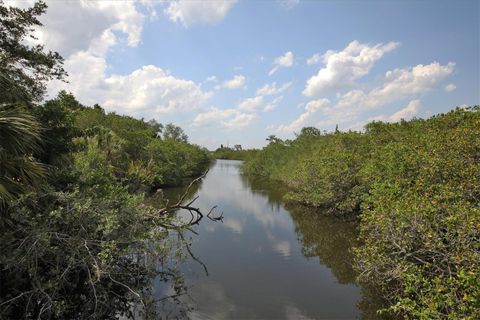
[(330, 239), (324, 237)]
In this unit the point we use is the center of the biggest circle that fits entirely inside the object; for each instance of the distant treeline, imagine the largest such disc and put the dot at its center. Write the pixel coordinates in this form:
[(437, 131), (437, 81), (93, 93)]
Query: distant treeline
[(415, 186), (233, 154)]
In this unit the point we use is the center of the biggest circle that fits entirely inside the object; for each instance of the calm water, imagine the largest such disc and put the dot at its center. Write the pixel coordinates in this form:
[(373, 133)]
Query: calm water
[(266, 260)]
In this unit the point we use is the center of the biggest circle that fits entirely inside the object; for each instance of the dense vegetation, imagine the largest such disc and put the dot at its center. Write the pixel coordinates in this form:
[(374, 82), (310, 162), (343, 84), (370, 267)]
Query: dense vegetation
[(233, 154), (77, 239), (415, 187)]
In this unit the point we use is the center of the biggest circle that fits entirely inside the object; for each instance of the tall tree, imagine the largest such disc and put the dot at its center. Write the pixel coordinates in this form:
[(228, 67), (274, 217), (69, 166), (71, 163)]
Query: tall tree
[(174, 132), (24, 68)]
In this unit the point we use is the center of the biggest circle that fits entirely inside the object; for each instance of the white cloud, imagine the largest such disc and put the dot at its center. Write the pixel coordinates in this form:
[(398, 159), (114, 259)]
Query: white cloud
[(213, 115), (227, 118), (154, 89), (398, 85), (72, 26), (316, 58), (211, 79), (272, 89), (450, 87), (146, 92), (251, 104), (406, 113), (289, 4), (273, 104), (188, 12), (258, 103), (401, 83), (84, 32), (310, 109), (344, 67), (283, 61), (236, 82), (241, 120), (314, 105)]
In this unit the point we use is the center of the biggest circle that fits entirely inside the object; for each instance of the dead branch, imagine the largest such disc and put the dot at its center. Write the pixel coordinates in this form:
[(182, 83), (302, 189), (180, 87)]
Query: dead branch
[(196, 214)]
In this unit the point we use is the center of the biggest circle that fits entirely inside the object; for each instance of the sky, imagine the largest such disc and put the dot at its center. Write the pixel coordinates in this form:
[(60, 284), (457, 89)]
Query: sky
[(235, 72)]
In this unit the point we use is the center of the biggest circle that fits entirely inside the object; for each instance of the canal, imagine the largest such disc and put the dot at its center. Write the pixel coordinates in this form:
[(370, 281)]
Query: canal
[(267, 260)]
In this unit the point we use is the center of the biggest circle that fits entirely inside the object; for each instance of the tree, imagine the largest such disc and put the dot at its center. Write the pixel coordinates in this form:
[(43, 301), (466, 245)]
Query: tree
[(309, 132), (24, 69), (273, 139), (174, 132), (19, 139), (57, 120), (157, 127)]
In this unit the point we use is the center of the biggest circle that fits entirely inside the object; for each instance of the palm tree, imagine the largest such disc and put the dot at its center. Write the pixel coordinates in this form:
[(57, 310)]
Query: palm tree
[(19, 140)]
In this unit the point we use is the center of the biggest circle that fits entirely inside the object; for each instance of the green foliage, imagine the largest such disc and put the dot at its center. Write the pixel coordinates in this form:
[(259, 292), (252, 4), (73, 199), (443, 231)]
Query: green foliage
[(322, 170), (232, 154), (420, 220), (140, 156), (19, 140), (82, 254), (83, 243), (23, 68), (415, 187), (86, 243), (171, 131)]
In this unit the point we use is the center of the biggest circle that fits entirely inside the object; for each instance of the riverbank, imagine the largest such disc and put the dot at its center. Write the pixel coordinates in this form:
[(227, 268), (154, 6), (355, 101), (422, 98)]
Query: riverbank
[(267, 260), (78, 239), (414, 186)]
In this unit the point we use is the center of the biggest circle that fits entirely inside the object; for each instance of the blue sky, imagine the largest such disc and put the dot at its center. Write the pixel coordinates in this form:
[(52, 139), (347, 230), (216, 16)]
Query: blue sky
[(236, 72)]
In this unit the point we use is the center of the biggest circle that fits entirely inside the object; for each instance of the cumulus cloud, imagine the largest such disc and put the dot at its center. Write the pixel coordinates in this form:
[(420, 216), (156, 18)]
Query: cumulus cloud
[(189, 12), (71, 26), (227, 118), (258, 103), (316, 58), (450, 87), (84, 32), (241, 120), (401, 83), (147, 91), (398, 85), (211, 79), (251, 104), (283, 61), (406, 113), (213, 115), (310, 109), (272, 89), (344, 67), (236, 82), (154, 89), (273, 104)]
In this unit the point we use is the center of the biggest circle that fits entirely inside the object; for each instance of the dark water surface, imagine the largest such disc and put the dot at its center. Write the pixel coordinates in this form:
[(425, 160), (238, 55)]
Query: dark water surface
[(267, 260)]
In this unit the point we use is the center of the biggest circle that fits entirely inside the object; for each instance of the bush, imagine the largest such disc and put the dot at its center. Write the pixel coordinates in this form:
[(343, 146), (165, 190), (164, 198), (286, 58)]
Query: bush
[(415, 187)]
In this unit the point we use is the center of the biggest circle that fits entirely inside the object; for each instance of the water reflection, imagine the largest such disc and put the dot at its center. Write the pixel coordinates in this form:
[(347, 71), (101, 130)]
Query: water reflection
[(266, 260)]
